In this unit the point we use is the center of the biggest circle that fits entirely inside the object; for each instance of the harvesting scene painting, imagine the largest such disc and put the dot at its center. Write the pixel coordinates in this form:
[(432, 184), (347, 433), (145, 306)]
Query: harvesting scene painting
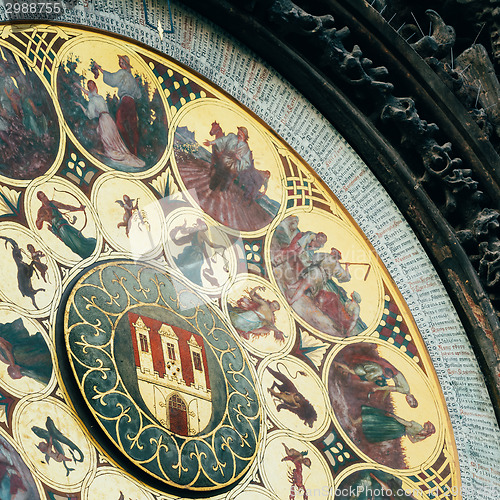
[(229, 165)]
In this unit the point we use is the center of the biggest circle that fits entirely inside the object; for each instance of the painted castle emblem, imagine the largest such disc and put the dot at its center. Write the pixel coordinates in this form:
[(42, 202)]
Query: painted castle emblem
[(162, 375), (172, 374)]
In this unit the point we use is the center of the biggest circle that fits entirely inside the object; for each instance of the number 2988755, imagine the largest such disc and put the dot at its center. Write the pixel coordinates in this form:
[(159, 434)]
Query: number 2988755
[(33, 7)]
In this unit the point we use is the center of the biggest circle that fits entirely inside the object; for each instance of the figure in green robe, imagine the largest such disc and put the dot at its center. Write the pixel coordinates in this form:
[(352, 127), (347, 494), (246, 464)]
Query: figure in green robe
[(50, 212), (26, 355)]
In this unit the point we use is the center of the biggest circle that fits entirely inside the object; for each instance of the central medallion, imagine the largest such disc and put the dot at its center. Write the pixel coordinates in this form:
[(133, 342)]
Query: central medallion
[(162, 375), (174, 370)]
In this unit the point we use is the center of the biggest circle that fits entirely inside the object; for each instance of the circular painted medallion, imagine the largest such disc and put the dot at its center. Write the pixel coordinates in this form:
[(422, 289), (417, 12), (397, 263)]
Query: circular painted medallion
[(29, 127), (383, 403), (112, 105), (228, 166), (162, 375)]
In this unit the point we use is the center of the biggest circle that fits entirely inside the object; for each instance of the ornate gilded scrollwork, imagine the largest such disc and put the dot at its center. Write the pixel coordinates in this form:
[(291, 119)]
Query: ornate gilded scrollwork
[(141, 411)]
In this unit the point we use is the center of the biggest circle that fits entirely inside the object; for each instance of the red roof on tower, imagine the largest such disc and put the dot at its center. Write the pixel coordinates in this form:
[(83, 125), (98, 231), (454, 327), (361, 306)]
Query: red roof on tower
[(157, 351)]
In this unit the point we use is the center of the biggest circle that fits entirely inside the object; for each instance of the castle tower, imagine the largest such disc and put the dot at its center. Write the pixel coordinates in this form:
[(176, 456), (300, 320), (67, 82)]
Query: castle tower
[(172, 374), (143, 346), (171, 352), (197, 363)]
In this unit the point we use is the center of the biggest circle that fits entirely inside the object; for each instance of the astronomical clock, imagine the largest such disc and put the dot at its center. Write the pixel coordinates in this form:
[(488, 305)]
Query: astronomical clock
[(205, 291)]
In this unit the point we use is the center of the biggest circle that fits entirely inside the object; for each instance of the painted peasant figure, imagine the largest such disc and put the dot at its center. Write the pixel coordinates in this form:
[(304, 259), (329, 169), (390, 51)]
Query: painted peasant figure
[(114, 147), (253, 316), (8, 95), (231, 156), (128, 92), (25, 355), (379, 425), (378, 373)]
